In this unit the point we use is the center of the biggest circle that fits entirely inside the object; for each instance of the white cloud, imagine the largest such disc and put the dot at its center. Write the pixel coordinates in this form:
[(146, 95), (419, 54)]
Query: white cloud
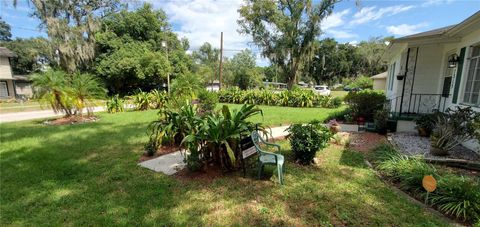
[(340, 34), (436, 2), (372, 13), (405, 29), (335, 19), (202, 21), (353, 42)]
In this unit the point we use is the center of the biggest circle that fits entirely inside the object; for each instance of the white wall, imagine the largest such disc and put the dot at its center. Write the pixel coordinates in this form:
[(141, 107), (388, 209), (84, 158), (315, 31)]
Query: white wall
[(379, 84), (5, 71), (467, 41)]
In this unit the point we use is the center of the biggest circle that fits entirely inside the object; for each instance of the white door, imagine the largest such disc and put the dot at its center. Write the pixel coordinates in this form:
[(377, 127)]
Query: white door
[(3, 90)]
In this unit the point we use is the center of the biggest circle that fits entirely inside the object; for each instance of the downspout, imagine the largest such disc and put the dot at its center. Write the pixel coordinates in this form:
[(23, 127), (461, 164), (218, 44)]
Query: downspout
[(404, 80)]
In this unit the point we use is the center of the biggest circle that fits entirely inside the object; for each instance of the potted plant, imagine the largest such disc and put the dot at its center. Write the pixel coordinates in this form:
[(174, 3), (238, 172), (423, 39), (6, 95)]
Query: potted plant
[(425, 124), (453, 128)]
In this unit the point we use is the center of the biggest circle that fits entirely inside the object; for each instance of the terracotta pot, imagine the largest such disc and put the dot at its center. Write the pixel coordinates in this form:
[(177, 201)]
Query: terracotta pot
[(438, 151), (423, 132)]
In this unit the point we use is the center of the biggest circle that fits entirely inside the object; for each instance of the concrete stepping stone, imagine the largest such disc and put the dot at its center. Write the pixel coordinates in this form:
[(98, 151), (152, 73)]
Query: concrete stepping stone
[(168, 164)]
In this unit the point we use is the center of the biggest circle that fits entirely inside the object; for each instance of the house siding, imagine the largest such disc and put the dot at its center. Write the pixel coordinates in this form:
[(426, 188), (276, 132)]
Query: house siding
[(5, 70)]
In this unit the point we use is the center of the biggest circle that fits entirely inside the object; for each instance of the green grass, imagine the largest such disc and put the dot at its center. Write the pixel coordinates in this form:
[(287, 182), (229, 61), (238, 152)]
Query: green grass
[(274, 115), (87, 174)]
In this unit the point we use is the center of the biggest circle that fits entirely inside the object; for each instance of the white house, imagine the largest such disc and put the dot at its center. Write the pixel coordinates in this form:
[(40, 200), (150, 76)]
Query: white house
[(380, 81), (7, 89), (436, 69)]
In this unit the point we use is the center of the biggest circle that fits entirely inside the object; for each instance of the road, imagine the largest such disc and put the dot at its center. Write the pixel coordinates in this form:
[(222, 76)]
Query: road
[(30, 115)]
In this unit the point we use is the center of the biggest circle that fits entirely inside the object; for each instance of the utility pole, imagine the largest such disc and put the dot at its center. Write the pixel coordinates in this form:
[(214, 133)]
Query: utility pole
[(165, 45), (221, 61)]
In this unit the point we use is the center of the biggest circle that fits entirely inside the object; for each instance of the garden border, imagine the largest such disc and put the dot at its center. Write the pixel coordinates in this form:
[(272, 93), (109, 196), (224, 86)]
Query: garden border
[(412, 199)]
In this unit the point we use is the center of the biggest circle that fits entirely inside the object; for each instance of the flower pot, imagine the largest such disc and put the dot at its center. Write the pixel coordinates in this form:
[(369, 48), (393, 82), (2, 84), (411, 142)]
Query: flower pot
[(438, 151), (423, 132)]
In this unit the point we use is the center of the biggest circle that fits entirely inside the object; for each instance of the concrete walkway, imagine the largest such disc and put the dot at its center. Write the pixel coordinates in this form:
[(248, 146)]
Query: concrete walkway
[(171, 163), (22, 116)]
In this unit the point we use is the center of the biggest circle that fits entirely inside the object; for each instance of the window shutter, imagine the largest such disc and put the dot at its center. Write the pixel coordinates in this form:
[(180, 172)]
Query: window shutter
[(446, 86), (458, 77)]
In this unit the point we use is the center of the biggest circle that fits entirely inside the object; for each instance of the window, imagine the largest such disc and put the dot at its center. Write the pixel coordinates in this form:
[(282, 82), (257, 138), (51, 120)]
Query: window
[(3, 89), (391, 76), (472, 84)]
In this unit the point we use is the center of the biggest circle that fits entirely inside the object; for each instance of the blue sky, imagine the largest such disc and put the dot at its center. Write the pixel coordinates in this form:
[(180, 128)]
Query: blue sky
[(203, 20)]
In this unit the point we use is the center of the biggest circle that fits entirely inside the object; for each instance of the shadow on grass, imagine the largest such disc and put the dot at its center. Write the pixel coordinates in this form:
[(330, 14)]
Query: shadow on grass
[(87, 174)]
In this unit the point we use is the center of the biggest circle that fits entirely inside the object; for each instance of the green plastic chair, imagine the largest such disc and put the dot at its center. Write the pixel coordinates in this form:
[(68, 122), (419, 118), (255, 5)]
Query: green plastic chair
[(268, 158)]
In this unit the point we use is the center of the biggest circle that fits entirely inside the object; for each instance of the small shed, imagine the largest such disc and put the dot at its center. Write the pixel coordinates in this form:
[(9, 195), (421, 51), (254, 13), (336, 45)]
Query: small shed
[(380, 81)]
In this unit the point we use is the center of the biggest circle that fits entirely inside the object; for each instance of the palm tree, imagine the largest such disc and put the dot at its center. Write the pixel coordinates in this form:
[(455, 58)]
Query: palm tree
[(51, 88), (83, 90)]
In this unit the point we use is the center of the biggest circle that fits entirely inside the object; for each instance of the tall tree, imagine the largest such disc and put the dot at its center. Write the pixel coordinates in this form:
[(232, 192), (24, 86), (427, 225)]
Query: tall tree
[(71, 25), (207, 59), (333, 61), (32, 54), (130, 54), (372, 51), (285, 30), (245, 73), (5, 31)]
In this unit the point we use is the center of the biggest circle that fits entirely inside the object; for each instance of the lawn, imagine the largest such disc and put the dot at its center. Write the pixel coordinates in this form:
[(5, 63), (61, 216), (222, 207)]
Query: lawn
[(88, 175), (275, 116)]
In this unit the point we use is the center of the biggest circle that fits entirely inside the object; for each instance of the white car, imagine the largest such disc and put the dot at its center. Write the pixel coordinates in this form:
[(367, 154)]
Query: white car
[(322, 89)]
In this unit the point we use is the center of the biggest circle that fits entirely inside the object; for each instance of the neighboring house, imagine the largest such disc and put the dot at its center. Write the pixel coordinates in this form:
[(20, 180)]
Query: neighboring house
[(7, 89), (380, 81), (434, 70), (12, 86), (213, 86)]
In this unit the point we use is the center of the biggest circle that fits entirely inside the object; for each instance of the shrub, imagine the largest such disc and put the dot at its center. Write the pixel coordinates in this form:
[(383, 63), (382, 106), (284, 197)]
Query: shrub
[(115, 104), (363, 82), (454, 127), (306, 140), (292, 98), (458, 196), (208, 101), (210, 137), (365, 103), (455, 195), (141, 100), (426, 123), (157, 99), (380, 120)]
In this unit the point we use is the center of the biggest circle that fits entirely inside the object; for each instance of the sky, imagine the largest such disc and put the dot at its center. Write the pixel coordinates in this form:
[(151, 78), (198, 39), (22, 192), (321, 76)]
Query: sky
[(203, 20)]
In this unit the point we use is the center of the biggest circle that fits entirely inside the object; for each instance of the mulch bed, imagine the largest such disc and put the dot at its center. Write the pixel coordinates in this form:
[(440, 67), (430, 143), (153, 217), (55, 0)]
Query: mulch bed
[(365, 141), (71, 120), (207, 175), (162, 151)]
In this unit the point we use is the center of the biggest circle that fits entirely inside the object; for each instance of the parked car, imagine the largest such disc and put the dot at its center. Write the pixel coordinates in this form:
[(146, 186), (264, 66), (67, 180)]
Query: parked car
[(322, 89)]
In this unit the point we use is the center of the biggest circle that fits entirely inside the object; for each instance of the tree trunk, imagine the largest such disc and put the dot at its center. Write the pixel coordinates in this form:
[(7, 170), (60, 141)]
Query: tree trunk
[(291, 80)]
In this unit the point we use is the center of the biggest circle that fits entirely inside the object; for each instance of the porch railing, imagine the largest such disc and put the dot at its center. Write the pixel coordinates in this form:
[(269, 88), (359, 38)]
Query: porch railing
[(417, 104)]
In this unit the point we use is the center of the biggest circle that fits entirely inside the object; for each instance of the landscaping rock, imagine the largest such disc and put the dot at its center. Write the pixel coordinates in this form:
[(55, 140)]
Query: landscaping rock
[(412, 144)]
